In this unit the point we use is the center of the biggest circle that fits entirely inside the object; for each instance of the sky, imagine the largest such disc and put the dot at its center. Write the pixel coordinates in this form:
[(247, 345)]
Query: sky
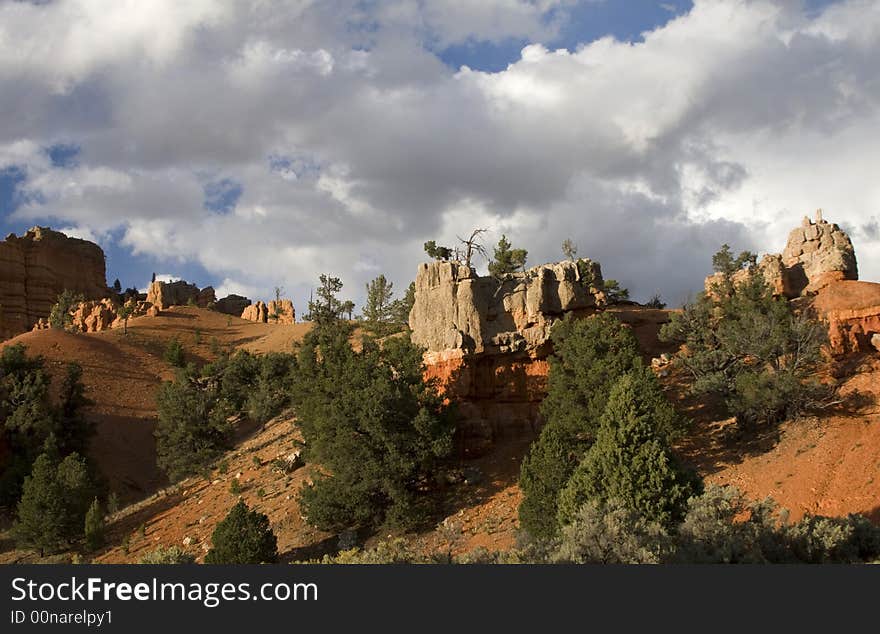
[(260, 143)]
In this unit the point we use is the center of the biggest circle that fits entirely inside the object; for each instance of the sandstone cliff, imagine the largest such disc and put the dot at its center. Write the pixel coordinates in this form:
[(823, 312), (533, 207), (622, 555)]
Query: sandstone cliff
[(457, 313), (487, 339), (36, 267)]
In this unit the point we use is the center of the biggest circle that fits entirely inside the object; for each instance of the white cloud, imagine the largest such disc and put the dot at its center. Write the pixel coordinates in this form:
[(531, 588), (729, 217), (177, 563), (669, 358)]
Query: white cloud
[(355, 145)]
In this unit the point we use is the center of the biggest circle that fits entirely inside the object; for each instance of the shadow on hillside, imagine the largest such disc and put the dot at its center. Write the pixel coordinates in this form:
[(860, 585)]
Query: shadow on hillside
[(327, 546), (715, 442), (873, 515), (175, 315)]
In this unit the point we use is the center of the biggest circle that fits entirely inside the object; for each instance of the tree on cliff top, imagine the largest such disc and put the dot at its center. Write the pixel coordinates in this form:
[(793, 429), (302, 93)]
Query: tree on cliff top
[(507, 260), (437, 252)]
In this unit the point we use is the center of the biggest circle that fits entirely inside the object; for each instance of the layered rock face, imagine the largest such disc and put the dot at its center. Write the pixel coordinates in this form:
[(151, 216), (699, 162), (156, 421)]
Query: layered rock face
[(852, 312), (36, 267), (817, 254), (487, 340), (163, 295), (275, 312)]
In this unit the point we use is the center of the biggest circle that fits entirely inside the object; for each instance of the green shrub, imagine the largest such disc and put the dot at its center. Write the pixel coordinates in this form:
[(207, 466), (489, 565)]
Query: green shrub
[(722, 526), (28, 417), (749, 347), (169, 555), (60, 314), (174, 353), (612, 533), (820, 540), (243, 537), (193, 428), (54, 501)]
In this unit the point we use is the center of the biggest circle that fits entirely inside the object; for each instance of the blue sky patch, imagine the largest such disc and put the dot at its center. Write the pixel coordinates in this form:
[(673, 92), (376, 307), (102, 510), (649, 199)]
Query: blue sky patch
[(63, 155), (222, 196)]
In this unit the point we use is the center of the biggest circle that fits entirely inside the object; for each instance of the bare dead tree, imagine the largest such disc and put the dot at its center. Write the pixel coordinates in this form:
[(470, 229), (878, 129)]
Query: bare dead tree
[(473, 245)]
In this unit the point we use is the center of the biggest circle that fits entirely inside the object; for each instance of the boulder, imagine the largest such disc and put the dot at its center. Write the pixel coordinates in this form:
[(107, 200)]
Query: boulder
[(36, 267), (163, 295), (281, 311), (232, 305)]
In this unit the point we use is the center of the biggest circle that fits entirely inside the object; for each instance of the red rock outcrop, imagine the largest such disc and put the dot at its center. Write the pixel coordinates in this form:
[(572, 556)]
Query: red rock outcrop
[(95, 316), (36, 267), (232, 305), (852, 311), (817, 254), (275, 312), (163, 295), (487, 339)]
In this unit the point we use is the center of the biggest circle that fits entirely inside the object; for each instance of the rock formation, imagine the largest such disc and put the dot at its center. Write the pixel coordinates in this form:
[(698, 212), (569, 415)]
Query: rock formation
[(232, 305), (852, 311), (457, 313), (163, 295), (487, 340), (98, 315), (817, 254), (275, 312), (36, 267)]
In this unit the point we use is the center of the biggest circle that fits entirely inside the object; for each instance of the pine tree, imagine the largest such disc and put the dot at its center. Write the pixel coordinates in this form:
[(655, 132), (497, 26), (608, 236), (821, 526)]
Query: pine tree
[(507, 260), (117, 286), (243, 537), (327, 307), (437, 252), (614, 294), (631, 461), (59, 315), (589, 356), (403, 306), (42, 518), (368, 418), (94, 526), (193, 428), (378, 311), (73, 429)]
